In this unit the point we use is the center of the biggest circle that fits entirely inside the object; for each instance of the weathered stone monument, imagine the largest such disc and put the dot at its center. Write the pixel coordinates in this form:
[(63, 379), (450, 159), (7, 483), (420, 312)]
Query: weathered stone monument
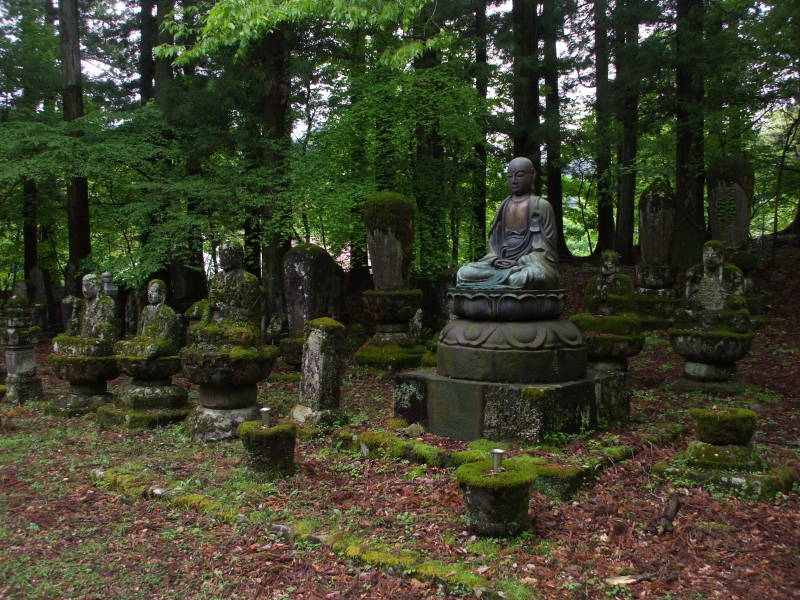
[(224, 355), (314, 286), (84, 354), (323, 353), (655, 277), (612, 329), (509, 367), (22, 382), (712, 331), (730, 196), (151, 358), (389, 219)]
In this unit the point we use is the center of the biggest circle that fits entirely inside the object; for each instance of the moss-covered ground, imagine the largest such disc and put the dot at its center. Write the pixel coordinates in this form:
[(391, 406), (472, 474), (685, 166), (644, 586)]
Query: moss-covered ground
[(386, 527)]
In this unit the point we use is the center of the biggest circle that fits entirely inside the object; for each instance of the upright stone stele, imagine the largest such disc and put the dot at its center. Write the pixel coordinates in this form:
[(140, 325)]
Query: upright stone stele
[(612, 329), (224, 355), (323, 352), (389, 219), (730, 195), (84, 355), (509, 367), (712, 331), (314, 285), (656, 299), (150, 358), (22, 382)]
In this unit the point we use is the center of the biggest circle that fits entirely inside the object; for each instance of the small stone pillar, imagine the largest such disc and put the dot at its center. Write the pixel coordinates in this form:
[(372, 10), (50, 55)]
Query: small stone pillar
[(712, 331), (323, 351), (23, 384), (389, 219), (151, 358), (612, 329), (655, 295), (314, 286), (84, 354), (270, 450)]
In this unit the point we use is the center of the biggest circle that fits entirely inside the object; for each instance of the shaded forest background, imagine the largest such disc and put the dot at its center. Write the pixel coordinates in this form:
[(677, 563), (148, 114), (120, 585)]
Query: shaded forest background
[(137, 136)]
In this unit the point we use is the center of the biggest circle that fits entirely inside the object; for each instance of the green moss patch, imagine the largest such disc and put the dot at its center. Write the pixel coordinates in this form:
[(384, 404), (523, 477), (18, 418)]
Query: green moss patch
[(724, 426), (269, 449), (623, 325), (325, 323), (387, 355), (143, 419), (710, 456), (388, 211), (480, 475)]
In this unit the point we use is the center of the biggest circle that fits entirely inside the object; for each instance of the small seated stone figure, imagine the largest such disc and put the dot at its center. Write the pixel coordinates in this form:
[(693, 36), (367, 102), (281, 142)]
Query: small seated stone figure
[(714, 295), (160, 332), (611, 292), (92, 320), (523, 240)]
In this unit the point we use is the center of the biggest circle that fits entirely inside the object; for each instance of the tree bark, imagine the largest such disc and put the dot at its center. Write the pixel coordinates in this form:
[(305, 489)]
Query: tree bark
[(162, 67), (527, 136), (77, 188), (478, 241), (605, 207), (552, 23), (30, 200), (148, 34), (690, 230), (627, 92)]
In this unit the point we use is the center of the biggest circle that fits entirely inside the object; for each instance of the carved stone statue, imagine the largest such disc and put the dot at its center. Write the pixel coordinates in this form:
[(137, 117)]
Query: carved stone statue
[(712, 331), (84, 354), (522, 241), (224, 355), (160, 332)]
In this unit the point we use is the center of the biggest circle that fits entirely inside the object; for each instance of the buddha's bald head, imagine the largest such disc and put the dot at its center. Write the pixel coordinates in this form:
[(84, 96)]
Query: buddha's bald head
[(520, 176)]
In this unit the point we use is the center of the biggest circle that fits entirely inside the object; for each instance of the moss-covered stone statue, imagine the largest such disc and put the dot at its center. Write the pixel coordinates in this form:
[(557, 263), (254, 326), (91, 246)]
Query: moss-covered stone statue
[(84, 354), (712, 330), (612, 329), (150, 358), (389, 219), (224, 355)]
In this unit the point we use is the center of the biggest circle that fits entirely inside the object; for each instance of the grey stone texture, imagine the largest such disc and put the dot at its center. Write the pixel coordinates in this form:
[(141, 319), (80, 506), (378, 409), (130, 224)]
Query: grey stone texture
[(323, 352)]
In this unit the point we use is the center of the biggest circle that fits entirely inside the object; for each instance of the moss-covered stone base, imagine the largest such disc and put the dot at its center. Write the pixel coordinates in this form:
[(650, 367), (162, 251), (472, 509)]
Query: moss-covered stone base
[(213, 425), (112, 416), (731, 426), (73, 404), (140, 395), (24, 388), (291, 349), (388, 355), (762, 486), (715, 388), (269, 450)]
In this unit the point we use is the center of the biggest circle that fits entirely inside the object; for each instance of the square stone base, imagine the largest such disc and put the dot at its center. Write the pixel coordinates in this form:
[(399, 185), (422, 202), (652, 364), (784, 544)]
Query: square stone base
[(468, 410), (128, 418)]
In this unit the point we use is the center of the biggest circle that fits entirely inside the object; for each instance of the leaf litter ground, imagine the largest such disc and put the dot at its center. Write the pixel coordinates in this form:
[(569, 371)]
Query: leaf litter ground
[(63, 536)]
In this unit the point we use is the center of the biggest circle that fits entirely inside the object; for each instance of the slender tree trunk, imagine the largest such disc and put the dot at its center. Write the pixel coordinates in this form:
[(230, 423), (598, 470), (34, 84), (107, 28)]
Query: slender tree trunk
[(627, 90), (527, 136), (690, 231), (478, 242), (552, 23), (148, 34), (30, 200), (77, 188), (162, 68), (605, 205)]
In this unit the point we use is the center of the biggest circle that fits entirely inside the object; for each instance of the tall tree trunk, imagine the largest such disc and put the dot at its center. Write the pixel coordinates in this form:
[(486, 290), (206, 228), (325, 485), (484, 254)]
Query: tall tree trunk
[(527, 136), (552, 23), (148, 34), (162, 68), (78, 187), (478, 241), (627, 91), (30, 200), (690, 231), (605, 205)]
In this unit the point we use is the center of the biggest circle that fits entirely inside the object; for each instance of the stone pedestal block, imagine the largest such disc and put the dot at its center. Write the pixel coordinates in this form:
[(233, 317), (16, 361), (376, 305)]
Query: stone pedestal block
[(213, 425), (322, 364)]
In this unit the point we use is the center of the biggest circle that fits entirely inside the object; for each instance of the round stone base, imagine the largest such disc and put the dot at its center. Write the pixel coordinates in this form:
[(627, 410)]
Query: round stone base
[(213, 425), (74, 404), (142, 395), (725, 388), (140, 419), (227, 398), (597, 367), (705, 372)]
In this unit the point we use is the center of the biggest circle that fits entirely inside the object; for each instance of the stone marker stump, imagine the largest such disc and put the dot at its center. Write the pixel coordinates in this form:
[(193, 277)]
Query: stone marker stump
[(150, 399), (314, 285), (389, 219), (655, 278), (712, 331), (22, 382), (224, 355), (84, 355), (323, 352)]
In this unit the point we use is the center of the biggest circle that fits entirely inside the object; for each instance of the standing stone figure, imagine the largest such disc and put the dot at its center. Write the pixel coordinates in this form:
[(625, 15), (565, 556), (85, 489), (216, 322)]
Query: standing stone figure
[(150, 359), (22, 381), (224, 355), (712, 331), (84, 354), (523, 240)]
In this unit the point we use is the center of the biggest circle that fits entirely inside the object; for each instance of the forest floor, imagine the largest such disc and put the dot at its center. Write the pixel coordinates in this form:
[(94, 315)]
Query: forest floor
[(64, 535)]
